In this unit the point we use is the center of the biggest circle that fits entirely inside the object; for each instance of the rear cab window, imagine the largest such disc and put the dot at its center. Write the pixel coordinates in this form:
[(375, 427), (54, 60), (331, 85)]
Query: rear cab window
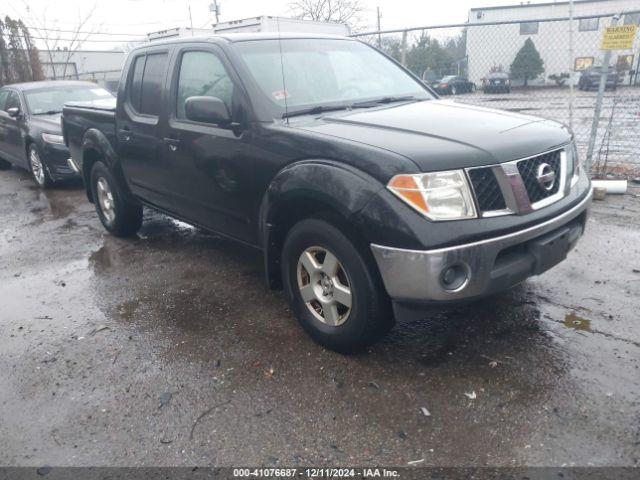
[(146, 83)]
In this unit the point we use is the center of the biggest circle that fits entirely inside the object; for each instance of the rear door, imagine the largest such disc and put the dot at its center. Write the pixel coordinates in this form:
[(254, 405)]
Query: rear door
[(139, 121)]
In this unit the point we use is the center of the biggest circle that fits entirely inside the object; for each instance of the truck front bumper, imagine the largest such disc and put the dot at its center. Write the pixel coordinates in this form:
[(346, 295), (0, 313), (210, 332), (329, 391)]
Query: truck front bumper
[(483, 267)]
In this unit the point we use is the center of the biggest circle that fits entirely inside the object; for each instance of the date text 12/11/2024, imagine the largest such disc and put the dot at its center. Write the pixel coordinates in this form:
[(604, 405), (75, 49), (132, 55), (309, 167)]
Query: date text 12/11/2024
[(316, 472)]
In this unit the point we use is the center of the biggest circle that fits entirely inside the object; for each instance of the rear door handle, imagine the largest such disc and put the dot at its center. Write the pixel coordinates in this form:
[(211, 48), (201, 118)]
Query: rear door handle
[(173, 143)]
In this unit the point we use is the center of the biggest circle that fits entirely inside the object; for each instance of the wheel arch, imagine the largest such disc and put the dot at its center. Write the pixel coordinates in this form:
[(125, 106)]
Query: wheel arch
[(96, 147), (312, 188)]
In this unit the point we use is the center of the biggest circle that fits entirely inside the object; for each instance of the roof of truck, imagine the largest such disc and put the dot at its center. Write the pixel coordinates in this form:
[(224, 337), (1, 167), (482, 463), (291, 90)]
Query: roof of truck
[(48, 84), (242, 37)]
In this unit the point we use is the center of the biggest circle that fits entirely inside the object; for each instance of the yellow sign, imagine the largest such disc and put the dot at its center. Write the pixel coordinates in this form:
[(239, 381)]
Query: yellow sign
[(619, 38)]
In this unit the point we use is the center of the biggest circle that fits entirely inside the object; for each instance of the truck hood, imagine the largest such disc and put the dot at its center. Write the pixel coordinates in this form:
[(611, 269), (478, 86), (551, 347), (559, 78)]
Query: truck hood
[(441, 135)]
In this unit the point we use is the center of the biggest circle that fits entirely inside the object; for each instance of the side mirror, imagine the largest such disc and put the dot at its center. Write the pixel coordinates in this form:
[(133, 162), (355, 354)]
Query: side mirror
[(207, 110), (13, 112)]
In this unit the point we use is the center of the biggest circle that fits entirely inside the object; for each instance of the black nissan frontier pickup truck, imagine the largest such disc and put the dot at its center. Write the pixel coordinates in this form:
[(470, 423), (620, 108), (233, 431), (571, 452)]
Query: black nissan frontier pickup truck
[(368, 195)]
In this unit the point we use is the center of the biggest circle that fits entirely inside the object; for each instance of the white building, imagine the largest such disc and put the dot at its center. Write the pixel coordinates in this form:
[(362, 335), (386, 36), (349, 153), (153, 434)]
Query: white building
[(495, 46), (263, 23), (100, 66), (178, 32), (267, 23)]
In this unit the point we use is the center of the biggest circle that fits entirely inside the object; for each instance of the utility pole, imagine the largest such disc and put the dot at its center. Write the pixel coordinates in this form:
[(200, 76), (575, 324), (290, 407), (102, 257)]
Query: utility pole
[(215, 8), (379, 35), (191, 20), (596, 114)]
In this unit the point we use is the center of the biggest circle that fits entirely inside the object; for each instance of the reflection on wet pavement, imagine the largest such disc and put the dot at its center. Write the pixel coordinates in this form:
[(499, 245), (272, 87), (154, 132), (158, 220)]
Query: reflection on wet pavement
[(96, 331)]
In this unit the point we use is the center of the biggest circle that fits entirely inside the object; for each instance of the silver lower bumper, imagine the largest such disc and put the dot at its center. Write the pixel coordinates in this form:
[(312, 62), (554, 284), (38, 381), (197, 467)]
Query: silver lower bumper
[(417, 275)]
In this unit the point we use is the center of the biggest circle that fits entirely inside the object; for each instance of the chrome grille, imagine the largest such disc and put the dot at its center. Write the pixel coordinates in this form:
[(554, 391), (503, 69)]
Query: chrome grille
[(529, 170), (520, 186), (486, 188)]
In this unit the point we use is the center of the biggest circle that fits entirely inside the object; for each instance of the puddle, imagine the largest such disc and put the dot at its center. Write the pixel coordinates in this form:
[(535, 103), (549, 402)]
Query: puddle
[(571, 320)]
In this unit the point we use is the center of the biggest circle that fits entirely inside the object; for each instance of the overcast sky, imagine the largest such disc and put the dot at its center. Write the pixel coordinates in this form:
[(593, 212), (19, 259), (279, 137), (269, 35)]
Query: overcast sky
[(122, 20)]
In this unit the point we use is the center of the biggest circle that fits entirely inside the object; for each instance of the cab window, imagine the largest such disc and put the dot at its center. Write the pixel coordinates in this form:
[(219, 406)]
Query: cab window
[(202, 74)]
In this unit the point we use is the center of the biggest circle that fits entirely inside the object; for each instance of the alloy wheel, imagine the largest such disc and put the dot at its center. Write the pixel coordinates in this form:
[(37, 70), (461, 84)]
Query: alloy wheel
[(105, 199), (324, 286), (37, 168)]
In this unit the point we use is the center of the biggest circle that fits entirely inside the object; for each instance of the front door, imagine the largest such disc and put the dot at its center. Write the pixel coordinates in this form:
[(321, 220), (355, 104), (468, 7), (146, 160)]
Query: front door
[(11, 144), (210, 166)]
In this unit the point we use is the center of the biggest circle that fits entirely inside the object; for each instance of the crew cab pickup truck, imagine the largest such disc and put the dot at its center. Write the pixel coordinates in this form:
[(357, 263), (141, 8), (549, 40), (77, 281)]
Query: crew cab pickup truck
[(367, 194)]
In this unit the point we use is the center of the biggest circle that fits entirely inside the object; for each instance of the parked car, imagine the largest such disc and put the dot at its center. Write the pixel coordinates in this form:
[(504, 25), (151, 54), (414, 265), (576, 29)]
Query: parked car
[(30, 131), (497, 82), (361, 189), (453, 85), (590, 79)]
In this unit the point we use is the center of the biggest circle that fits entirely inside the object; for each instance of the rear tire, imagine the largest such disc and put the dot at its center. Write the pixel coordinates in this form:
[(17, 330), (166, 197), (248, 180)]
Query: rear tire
[(314, 288), (119, 215), (4, 165)]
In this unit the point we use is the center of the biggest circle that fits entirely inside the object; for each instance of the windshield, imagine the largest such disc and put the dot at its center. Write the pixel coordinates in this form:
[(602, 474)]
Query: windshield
[(323, 72), (51, 100)]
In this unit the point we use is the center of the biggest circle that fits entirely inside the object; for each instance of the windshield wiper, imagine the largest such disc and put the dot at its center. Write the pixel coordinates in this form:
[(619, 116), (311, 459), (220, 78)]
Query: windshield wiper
[(49, 112), (385, 100), (315, 110), (365, 104)]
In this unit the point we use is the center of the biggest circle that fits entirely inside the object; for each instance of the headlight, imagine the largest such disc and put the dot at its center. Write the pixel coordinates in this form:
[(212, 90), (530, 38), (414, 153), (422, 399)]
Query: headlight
[(437, 196), (574, 161), (53, 138)]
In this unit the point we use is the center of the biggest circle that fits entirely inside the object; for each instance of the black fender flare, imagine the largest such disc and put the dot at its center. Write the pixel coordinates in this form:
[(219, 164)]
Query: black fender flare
[(321, 184), (96, 141)]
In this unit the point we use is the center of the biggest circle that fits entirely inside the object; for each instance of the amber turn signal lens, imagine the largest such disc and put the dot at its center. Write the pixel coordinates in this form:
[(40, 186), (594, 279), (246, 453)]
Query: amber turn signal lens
[(406, 187)]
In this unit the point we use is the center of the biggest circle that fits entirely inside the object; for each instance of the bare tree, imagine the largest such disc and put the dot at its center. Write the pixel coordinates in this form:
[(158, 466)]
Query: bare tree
[(53, 42), (79, 36), (50, 36), (348, 12)]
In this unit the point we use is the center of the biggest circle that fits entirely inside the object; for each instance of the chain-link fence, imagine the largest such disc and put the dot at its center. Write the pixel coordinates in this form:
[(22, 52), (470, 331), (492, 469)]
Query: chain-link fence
[(547, 67), (108, 79)]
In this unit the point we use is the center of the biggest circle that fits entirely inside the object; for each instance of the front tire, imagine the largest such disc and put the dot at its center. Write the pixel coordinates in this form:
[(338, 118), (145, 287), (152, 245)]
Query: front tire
[(334, 290), (38, 168), (119, 215), (4, 165)]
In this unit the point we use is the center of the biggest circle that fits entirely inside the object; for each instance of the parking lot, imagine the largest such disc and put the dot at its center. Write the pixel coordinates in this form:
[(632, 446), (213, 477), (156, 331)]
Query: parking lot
[(168, 349), (619, 119)]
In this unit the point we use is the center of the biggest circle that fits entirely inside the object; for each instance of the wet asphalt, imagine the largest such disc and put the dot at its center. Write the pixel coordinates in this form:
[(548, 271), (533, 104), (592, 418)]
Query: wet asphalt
[(168, 349)]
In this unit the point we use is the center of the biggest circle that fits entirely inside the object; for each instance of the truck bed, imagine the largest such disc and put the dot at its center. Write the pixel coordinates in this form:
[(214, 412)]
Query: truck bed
[(79, 117)]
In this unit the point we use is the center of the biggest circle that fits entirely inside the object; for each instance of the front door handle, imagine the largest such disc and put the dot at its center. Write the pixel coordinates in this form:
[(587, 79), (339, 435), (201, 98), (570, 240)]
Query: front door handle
[(125, 134), (173, 143)]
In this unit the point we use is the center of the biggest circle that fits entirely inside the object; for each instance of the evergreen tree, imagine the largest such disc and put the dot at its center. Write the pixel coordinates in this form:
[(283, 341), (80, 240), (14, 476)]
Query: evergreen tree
[(6, 75), (32, 53), (527, 64), (19, 61), (19, 57)]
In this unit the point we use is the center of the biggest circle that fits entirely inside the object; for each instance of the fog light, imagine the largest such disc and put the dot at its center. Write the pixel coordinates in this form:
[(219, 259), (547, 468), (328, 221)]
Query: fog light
[(455, 277)]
